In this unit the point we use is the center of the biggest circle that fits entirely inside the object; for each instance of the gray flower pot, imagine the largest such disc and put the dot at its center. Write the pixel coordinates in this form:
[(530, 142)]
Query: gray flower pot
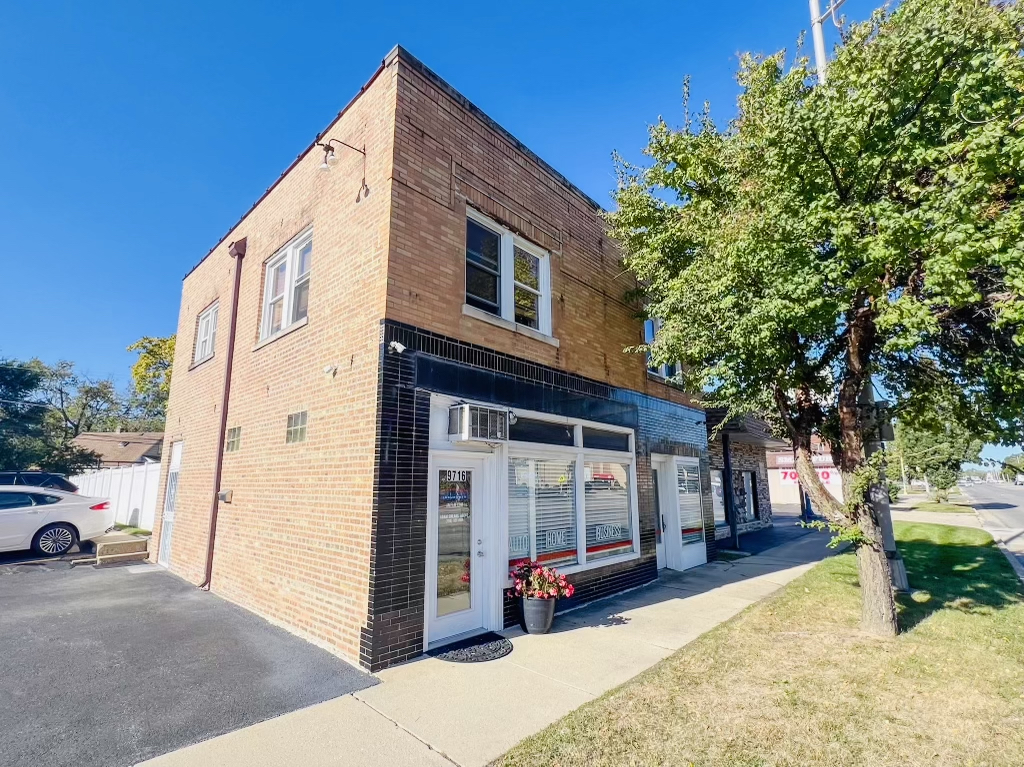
[(537, 614)]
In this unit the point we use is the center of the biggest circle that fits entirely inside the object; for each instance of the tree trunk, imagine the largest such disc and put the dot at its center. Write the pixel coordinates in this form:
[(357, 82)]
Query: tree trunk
[(821, 498), (878, 606)]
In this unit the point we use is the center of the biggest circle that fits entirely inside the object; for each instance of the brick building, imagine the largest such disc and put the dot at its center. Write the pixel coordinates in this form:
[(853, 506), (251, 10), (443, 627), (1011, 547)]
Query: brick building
[(403, 369), (748, 441)]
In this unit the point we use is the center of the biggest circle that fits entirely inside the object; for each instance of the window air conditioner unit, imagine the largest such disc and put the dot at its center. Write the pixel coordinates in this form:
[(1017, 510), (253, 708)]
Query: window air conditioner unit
[(473, 423)]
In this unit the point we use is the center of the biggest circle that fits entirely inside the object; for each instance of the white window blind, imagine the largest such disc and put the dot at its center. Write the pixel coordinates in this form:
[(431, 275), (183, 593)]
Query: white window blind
[(542, 510), (206, 334), (691, 516), (609, 520)]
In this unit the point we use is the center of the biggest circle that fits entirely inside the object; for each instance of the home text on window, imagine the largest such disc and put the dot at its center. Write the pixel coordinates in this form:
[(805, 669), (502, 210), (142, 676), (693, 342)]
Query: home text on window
[(206, 334), (507, 276), (286, 286), (571, 500)]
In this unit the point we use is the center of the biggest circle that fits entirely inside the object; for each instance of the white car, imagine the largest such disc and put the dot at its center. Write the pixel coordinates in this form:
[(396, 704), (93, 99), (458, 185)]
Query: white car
[(50, 521)]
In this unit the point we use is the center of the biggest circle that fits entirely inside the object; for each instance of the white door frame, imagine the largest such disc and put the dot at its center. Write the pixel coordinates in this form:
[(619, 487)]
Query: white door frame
[(170, 501), (486, 552), (678, 556), (659, 513)]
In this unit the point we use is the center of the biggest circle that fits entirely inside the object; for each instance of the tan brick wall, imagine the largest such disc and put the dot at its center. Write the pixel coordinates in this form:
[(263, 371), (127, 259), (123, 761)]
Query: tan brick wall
[(447, 157), (294, 544)]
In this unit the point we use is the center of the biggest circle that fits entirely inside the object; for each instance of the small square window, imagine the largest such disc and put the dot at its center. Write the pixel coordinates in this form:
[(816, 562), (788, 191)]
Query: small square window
[(296, 431), (234, 440), (206, 334)]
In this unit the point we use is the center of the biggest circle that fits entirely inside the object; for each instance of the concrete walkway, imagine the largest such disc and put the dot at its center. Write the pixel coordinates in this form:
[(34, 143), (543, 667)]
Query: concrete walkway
[(430, 712)]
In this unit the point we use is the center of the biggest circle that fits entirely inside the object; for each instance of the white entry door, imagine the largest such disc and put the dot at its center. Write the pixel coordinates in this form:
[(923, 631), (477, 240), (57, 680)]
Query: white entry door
[(170, 499), (460, 548), (693, 550), (681, 510)]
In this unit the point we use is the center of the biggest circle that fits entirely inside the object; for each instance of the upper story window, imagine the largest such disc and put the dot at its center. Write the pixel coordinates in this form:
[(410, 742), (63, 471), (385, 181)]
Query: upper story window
[(206, 334), (507, 276), (669, 370), (286, 287)]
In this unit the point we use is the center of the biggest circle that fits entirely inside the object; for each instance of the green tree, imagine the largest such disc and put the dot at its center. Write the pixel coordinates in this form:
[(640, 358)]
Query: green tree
[(1012, 466), (151, 377), (21, 415), (935, 450), (869, 228)]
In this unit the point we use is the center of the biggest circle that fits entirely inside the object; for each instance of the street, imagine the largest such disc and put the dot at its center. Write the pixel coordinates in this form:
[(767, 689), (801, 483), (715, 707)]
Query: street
[(1001, 507)]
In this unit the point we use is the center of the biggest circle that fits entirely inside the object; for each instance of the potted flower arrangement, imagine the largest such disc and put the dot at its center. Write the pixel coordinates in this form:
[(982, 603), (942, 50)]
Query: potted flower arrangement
[(538, 588)]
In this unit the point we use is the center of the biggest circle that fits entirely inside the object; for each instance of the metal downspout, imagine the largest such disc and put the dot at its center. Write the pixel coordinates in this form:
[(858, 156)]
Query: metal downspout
[(237, 251)]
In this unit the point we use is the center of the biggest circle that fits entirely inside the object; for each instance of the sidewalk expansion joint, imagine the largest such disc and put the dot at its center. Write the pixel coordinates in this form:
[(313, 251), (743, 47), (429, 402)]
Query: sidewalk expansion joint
[(406, 730)]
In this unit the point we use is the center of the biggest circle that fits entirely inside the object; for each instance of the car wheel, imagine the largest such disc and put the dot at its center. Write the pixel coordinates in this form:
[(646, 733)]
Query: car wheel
[(54, 540)]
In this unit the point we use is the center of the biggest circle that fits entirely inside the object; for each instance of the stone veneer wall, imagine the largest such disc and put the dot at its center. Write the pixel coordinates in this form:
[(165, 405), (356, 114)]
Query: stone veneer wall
[(745, 457)]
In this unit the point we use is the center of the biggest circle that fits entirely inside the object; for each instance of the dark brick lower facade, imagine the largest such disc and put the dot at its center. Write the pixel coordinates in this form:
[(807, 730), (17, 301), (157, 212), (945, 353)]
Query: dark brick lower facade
[(432, 363)]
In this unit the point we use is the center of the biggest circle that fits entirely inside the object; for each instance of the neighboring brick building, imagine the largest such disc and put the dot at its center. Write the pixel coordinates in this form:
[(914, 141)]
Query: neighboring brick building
[(428, 381), (748, 440)]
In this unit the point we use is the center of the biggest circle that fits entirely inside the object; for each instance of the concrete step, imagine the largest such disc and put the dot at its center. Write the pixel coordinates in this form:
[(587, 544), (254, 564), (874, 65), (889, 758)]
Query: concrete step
[(131, 546), (118, 547)]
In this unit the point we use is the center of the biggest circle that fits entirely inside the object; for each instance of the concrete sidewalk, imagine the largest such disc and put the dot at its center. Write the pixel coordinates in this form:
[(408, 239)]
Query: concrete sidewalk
[(431, 712)]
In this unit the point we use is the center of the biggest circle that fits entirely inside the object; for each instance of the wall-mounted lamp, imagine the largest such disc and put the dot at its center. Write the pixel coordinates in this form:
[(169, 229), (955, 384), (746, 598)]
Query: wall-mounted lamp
[(331, 159), (330, 155)]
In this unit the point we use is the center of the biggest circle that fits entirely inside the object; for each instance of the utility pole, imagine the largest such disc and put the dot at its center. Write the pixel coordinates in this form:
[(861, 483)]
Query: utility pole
[(818, 34), (878, 495)]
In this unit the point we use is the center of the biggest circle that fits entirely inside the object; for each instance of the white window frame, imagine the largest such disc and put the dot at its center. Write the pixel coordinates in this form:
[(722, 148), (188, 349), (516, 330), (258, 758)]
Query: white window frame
[(581, 456), (507, 278), (206, 333), (288, 255), (291, 433)]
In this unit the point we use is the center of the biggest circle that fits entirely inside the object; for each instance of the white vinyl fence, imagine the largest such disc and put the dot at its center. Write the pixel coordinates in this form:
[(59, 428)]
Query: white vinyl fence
[(131, 490)]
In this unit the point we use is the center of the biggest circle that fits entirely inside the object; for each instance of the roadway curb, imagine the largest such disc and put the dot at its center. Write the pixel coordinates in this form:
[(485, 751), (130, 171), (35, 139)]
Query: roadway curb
[(1000, 544)]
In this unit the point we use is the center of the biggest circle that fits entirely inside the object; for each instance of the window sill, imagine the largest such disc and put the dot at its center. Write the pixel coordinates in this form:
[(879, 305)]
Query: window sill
[(670, 382), (203, 361), (281, 333), (593, 565), (515, 327)]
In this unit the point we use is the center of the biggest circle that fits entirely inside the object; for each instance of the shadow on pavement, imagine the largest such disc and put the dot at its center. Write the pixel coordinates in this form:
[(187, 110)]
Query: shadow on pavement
[(800, 549)]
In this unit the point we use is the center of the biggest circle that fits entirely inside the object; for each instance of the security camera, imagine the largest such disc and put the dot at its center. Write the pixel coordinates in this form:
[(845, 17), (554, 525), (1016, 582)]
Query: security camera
[(396, 347)]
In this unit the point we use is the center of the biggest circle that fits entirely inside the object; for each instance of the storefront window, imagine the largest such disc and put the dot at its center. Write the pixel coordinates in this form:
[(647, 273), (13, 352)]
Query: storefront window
[(542, 510), (608, 515), (691, 516), (718, 496)]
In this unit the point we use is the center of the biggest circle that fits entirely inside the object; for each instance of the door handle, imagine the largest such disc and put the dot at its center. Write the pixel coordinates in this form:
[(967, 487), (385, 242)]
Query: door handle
[(479, 553), (663, 527)]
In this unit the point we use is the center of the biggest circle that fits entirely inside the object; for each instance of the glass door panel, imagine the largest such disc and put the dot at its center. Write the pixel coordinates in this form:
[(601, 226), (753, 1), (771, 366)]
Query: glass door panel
[(454, 541)]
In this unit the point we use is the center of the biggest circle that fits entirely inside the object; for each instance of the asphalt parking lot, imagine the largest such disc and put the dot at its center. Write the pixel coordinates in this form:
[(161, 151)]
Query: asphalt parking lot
[(108, 667)]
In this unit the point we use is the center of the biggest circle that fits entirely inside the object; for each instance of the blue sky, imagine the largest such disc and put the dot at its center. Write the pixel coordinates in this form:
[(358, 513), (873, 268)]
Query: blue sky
[(133, 135)]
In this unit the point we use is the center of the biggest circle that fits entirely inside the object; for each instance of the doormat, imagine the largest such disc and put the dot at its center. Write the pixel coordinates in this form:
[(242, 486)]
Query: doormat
[(483, 647)]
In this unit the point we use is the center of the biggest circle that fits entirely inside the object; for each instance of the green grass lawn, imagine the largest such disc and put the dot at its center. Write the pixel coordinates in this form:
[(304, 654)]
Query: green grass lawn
[(792, 680), (944, 508), (132, 530)]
